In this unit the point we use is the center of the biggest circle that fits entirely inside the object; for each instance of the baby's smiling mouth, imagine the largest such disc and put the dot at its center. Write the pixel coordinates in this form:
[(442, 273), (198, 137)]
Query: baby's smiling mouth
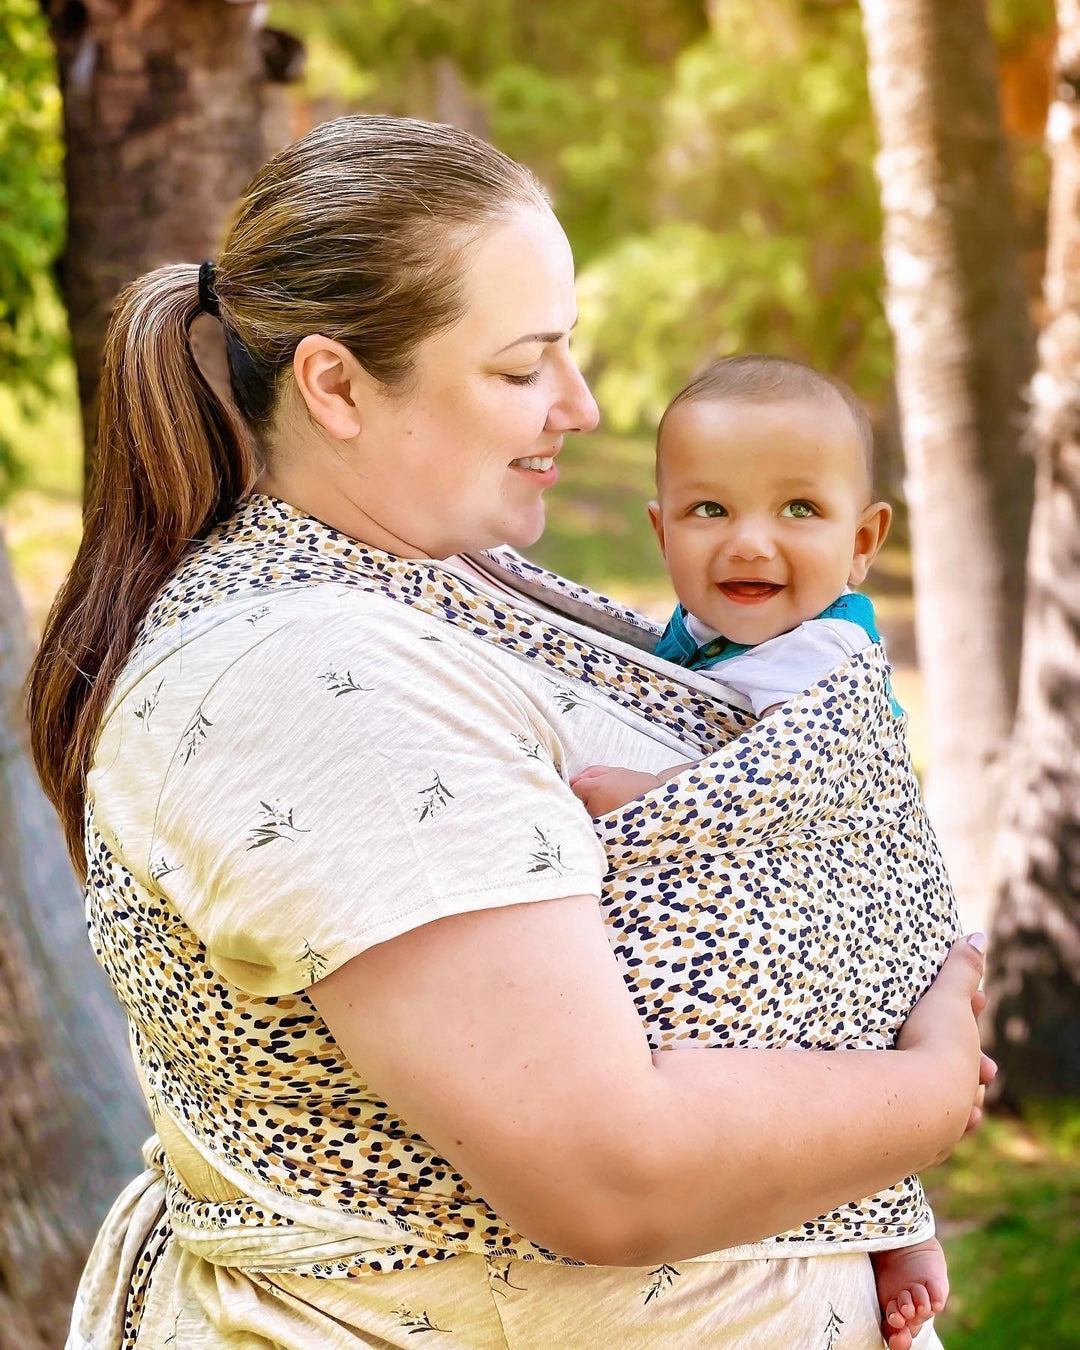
[(750, 592)]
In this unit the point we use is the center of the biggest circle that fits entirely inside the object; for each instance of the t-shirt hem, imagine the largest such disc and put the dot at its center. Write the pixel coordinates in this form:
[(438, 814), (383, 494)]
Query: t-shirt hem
[(820, 1246)]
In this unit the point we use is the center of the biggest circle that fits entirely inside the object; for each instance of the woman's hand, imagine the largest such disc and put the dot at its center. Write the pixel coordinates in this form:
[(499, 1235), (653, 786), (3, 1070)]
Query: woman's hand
[(943, 1028)]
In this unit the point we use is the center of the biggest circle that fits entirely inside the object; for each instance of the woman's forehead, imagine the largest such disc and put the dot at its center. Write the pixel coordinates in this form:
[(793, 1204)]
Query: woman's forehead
[(519, 280)]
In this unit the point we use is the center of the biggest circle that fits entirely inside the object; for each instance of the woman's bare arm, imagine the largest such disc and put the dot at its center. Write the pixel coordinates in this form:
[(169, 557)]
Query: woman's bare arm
[(508, 1039)]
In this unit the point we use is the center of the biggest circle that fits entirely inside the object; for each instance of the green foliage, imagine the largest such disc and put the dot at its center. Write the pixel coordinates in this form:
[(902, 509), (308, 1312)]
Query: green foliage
[(575, 99), (769, 219), (31, 211), (715, 179), (1014, 20)]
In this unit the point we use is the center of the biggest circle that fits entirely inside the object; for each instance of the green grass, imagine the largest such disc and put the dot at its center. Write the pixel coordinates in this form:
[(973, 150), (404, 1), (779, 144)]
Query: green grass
[(1008, 1211)]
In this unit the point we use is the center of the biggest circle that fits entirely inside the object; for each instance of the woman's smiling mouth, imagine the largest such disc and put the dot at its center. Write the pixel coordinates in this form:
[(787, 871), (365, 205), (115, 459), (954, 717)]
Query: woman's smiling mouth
[(749, 592), (540, 468)]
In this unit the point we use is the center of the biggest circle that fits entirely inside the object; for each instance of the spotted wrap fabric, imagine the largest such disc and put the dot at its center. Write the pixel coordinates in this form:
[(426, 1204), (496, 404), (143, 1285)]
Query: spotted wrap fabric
[(785, 891)]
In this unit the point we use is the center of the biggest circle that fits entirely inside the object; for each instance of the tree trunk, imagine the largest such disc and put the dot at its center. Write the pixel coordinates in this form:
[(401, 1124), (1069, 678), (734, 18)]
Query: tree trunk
[(1033, 979), (964, 353), (71, 1115), (163, 104)]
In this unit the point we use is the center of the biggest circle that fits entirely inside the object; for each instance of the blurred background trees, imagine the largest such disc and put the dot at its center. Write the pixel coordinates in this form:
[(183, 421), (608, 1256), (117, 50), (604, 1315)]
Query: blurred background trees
[(713, 163), (1034, 971), (958, 310)]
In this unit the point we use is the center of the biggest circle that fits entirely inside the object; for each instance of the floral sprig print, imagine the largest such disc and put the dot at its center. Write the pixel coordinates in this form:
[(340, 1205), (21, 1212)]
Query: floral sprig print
[(499, 1270), (342, 684), (429, 637), (159, 868), (531, 749), (434, 798), (566, 700), (277, 823), (257, 614), (314, 962), (832, 1328), (660, 1280), (148, 706), (416, 1322), (546, 857), (195, 733)]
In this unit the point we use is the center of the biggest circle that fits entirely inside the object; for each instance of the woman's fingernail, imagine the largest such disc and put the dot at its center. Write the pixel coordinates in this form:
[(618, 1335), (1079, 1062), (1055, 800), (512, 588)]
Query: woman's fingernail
[(978, 941)]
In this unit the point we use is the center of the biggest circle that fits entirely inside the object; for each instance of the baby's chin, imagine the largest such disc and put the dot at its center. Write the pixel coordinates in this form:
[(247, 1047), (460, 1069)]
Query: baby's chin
[(750, 634)]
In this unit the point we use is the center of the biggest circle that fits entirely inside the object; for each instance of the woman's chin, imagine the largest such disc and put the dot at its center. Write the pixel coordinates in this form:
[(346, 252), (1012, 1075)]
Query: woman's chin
[(523, 531)]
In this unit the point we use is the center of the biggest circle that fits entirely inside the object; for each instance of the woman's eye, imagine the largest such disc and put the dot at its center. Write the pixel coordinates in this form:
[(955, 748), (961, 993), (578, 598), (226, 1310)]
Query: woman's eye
[(799, 510), (531, 378), (708, 510)]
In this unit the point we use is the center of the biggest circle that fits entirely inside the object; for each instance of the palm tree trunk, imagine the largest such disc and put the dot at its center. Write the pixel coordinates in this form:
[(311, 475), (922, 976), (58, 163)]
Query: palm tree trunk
[(964, 352), (163, 122), (71, 1114), (1033, 979)]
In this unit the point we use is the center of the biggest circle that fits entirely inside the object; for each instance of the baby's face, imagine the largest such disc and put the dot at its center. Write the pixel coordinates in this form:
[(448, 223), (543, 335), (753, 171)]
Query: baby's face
[(763, 512)]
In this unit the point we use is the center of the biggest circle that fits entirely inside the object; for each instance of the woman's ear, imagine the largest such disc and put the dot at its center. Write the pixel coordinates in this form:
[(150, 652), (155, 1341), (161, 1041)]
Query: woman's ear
[(869, 537), (333, 384), (657, 518)]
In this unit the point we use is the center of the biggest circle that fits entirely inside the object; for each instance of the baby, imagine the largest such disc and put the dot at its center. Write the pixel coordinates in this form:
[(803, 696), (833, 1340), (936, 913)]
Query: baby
[(765, 518)]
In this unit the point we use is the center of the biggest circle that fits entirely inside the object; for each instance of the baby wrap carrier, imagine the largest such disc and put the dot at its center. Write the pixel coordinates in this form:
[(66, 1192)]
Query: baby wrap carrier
[(785, 891)]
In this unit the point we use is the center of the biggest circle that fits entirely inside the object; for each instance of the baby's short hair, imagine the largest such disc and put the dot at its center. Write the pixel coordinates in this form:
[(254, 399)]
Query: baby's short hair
[(756, 378)]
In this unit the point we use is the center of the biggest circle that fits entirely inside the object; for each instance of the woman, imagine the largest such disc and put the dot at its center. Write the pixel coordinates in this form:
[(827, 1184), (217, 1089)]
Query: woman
[(315, 763)]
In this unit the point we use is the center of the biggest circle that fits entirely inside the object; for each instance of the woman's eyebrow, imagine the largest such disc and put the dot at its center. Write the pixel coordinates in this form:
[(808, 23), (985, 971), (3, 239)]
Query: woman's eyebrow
[(536, 337)]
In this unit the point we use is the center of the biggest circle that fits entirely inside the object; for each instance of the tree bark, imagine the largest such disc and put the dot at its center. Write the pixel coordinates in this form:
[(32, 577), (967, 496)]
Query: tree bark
[(71, 1115), (163, 121), (964, 353), (162, 117), (1033, 980)]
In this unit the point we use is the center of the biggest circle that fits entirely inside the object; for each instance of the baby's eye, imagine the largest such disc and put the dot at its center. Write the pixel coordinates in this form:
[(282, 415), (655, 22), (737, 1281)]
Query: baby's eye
[(708, 510), (799, 510)]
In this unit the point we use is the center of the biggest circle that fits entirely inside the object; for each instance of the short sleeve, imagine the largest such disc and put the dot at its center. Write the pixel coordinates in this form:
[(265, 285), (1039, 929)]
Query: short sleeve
[(356, 774)]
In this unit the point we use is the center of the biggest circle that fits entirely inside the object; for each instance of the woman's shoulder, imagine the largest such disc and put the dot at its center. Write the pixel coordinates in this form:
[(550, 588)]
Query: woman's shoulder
[(274, 646)]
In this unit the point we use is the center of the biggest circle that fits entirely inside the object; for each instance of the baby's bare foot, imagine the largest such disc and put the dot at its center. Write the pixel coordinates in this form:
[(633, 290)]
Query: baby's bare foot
[(907, 1312), (913, 1286)]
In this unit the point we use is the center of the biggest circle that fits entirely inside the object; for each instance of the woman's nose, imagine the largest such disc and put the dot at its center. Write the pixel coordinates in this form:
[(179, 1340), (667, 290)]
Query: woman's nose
[(575, 409)]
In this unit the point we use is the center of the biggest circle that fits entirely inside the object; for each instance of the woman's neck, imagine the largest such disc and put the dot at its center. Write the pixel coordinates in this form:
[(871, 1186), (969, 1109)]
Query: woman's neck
[(331, 503)]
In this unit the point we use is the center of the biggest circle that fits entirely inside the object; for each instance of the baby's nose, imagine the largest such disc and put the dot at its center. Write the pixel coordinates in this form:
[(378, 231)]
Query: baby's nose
[(749, 542)]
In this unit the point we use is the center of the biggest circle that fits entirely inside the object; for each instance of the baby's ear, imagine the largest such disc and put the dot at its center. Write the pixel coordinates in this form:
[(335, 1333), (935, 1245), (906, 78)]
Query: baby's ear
[(869, 537), (657, 518)]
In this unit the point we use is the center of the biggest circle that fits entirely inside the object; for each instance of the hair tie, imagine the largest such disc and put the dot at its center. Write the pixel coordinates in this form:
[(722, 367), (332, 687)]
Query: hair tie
[(208, 297)]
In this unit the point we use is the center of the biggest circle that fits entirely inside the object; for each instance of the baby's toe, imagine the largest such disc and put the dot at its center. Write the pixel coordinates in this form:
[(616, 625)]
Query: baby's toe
[(906, 1304), (899, 1340), (894, 1316), (921, 1297)]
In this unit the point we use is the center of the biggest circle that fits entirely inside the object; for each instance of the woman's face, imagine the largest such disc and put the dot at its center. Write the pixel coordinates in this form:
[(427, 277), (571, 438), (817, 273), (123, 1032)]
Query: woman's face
[(460, 459)]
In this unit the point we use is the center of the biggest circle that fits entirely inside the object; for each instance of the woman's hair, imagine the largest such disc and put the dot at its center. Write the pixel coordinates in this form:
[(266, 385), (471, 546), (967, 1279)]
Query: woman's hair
[(357, 231)]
